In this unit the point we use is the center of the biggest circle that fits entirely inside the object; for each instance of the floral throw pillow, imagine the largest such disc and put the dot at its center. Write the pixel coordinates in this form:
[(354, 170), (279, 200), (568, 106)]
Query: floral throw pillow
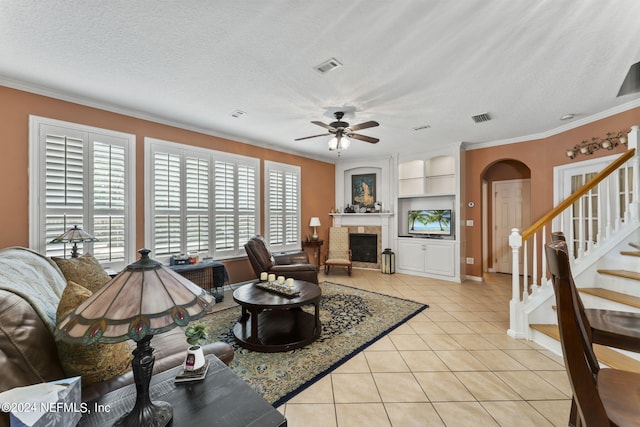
[(96, 362), (84, 270)]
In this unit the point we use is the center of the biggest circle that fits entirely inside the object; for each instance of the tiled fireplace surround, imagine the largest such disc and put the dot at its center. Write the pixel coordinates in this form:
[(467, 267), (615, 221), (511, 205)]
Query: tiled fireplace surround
[(371, 223)]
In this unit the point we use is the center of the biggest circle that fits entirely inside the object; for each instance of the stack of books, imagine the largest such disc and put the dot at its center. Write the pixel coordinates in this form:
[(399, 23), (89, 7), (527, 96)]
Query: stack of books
[(189, 376)]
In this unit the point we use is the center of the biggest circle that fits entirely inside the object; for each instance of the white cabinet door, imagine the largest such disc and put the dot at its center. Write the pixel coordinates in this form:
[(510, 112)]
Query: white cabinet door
[(411, 255), (440, 258)]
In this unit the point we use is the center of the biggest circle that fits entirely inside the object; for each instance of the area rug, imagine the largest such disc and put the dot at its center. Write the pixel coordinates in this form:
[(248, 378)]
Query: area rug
[(352, 319)]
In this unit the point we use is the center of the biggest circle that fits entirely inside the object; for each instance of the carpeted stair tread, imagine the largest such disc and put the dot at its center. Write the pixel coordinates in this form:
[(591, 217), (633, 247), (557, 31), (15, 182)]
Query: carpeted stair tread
[(605, 355), (608, 294)]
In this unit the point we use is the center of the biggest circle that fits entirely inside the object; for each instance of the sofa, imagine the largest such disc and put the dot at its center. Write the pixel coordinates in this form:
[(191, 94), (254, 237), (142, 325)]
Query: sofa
[(31, 286), (294, 265)]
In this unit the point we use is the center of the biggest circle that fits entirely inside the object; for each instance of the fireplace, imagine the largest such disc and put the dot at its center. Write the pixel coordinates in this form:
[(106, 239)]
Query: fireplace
[(364, 247)]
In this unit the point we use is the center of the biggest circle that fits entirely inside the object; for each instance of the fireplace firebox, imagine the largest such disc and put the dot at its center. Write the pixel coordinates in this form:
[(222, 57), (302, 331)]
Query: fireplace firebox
[(364, 247)]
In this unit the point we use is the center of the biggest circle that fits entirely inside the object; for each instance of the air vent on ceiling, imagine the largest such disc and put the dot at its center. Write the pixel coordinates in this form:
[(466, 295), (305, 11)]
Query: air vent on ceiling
[(328, 65), (631, 83), (484, 117)]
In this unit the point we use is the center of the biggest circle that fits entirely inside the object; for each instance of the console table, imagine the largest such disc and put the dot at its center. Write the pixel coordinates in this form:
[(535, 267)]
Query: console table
[(209, 275), (221, 399)]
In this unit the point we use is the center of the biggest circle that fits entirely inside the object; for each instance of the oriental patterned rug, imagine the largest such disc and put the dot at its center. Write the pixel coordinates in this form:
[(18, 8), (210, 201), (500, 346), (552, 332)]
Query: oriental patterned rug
[(352, 319)]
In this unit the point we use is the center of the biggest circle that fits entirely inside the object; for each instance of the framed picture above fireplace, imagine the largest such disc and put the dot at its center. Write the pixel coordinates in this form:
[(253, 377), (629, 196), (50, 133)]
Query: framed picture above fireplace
[(363, 190)]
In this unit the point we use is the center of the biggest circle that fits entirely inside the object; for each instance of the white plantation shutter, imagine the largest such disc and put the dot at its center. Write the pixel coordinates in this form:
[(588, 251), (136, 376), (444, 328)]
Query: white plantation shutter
[(224, 206), (247, 202), (206, 200), (197, 203), (109, 199), (282, 206), (80, 175), (167, 197)]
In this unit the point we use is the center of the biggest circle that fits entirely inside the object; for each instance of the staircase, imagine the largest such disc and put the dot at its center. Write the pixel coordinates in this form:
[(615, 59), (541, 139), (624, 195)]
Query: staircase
[(604, 263), (603, 297)]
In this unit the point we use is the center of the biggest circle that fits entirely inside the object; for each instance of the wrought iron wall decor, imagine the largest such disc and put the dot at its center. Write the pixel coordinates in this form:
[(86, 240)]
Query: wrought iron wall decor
[(588, 147)]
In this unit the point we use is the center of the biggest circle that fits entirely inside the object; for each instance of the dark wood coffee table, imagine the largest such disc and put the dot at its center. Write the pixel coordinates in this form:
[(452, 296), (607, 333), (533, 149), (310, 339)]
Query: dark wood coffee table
[(271, 322)]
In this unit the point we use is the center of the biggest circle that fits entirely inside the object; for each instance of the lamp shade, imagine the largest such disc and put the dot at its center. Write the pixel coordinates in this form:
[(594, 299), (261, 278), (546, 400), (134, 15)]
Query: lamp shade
[(146, 298), (315, 222), (74, 235)]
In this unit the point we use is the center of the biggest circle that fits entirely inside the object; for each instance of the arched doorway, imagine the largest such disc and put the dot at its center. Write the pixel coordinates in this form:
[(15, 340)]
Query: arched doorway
[(506, 204)]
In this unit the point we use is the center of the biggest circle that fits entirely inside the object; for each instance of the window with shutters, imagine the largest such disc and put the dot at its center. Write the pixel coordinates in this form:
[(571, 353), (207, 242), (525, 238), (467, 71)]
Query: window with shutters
[(199, 200), (282, 206), (81, 175)]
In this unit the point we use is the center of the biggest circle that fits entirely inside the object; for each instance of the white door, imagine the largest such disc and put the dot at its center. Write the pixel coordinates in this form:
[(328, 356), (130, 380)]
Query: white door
[(511, 209)]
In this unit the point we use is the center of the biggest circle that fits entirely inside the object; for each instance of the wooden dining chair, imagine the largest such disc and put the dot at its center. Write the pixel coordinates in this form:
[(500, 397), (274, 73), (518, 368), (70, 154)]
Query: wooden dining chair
[(602, 396), (613, 328)]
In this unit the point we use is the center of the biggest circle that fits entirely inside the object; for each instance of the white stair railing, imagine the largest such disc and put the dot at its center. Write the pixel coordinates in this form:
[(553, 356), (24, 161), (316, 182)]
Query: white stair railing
[(527, 246)]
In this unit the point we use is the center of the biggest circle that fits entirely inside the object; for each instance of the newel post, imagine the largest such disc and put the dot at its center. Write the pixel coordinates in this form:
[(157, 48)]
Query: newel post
[(516, 313), (632, 141)]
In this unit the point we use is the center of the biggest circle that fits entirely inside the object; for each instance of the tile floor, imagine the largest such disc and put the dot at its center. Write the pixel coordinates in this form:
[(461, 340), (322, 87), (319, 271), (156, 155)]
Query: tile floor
[(452, 365)]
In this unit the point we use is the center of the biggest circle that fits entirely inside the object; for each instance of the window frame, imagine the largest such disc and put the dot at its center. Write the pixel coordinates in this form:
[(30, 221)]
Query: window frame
[(37, 183), (295, 244), (153, 146)]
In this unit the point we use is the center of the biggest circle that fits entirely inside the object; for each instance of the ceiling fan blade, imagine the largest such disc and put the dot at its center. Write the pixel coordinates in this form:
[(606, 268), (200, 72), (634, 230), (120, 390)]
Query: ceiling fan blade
[(326, 126), (363, 138), (314, 136), (365, 125)]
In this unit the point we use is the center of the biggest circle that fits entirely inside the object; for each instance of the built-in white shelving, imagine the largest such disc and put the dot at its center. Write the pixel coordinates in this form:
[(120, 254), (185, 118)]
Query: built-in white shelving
[(429, 181)]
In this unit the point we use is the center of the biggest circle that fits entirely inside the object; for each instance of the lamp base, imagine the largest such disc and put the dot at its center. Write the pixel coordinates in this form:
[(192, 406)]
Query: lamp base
[(145, 412), (156, 414)]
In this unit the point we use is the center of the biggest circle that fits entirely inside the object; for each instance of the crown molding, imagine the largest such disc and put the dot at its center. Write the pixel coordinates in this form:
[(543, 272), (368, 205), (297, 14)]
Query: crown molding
[(113, 108), (564, 128)]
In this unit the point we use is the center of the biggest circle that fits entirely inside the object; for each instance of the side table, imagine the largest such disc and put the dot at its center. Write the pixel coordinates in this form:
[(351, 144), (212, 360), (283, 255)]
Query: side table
[(221, 399), (317, 248), (208, 275)]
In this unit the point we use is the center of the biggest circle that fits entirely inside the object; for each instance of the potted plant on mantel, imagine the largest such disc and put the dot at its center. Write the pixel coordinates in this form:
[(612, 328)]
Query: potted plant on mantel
[(195, 333)]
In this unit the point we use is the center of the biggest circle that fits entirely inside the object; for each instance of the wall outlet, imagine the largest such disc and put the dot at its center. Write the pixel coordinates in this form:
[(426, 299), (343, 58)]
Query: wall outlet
[(469, 223), (360, 230), (469, 260)]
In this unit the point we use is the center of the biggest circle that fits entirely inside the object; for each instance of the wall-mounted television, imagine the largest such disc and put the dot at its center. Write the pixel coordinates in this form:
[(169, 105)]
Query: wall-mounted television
[(430, 222)]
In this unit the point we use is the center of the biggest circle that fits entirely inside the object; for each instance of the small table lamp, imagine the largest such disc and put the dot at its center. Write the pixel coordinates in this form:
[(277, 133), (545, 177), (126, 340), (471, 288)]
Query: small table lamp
[(143, 300), (315, 223), (74, 235)]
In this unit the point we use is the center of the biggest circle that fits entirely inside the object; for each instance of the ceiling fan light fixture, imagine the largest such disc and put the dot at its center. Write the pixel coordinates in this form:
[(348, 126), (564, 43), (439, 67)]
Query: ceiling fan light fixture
[(333, 144), (344, 143)]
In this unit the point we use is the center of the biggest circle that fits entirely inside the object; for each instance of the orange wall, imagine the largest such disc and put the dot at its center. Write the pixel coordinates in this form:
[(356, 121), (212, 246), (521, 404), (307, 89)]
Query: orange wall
[(318, 178), (540, 156)]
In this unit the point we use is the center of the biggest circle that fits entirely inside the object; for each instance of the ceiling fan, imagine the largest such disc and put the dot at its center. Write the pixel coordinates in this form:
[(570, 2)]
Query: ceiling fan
[(341, 132)]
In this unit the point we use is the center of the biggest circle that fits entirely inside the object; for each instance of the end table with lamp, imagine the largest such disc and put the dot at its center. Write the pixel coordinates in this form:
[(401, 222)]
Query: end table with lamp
[(316, 245)]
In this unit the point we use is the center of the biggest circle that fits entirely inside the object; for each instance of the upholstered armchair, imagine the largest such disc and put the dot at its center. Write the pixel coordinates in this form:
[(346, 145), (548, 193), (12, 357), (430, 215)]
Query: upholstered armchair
[(295, 265)]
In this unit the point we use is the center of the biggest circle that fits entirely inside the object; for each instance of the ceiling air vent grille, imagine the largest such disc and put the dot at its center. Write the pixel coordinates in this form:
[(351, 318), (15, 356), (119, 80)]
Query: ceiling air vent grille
[(484, 117), (328, 65)]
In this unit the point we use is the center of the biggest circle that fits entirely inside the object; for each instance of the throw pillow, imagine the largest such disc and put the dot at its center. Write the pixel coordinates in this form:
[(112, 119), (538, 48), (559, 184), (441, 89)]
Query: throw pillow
[(96, 362), (84, 270)]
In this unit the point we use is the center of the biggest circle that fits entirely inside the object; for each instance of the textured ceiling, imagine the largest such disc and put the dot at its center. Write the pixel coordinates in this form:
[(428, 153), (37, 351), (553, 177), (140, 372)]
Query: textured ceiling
[(406, 64)]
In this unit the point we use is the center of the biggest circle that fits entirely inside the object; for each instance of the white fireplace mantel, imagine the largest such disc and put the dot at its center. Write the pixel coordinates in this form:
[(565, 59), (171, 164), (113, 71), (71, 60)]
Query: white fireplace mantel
[(382, 219)]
